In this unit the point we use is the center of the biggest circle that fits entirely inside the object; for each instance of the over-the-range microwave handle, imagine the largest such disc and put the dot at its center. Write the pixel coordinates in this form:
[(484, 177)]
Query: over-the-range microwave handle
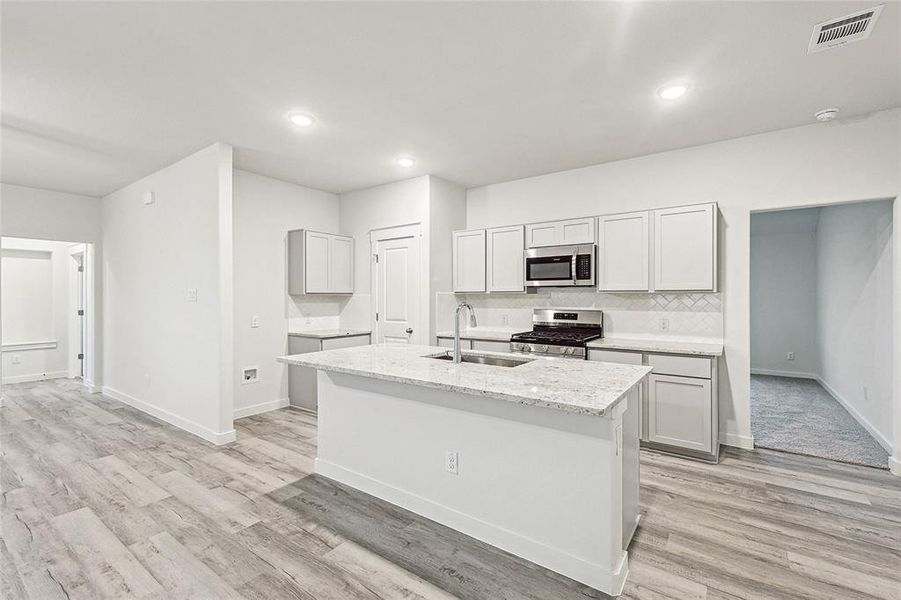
[(572, 265)]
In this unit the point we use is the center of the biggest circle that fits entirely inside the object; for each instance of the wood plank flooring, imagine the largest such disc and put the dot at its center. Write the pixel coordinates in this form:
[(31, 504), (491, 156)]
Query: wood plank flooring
[(102, 501)]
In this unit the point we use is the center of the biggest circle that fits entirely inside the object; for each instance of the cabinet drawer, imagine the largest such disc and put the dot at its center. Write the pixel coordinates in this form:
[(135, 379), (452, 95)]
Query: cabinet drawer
[(345, 342), (490, 346), (615, 356), (686, 366), (449, 343)]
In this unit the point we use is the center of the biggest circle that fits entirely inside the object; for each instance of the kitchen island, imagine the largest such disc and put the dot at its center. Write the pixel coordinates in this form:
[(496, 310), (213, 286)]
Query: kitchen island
[(537, 456)]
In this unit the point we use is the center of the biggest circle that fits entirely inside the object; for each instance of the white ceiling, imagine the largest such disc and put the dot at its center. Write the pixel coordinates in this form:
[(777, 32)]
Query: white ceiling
[(96, 95)]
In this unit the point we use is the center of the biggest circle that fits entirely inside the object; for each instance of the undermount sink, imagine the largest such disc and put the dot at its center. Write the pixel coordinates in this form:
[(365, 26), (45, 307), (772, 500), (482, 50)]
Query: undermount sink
[(482, 359)]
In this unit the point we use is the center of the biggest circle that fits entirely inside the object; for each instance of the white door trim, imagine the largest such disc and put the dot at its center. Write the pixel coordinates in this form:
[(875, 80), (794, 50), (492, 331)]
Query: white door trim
[(413, 230)]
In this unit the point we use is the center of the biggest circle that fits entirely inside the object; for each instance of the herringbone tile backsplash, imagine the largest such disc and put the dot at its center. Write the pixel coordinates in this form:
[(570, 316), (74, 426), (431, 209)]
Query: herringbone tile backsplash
[(690, 315)]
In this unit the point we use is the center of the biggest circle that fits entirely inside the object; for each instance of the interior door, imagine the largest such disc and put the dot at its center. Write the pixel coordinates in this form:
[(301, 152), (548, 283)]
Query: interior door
[(82, 321), (398, 290)]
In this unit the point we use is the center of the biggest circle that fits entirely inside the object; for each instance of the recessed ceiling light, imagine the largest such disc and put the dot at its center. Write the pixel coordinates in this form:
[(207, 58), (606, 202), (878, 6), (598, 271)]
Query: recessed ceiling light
[(301, 120), (405, 162), (672, 91), (827, 114)]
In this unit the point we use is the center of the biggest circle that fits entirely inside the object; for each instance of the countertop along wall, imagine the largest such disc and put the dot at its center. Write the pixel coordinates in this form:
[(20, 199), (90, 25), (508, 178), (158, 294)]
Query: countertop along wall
[(265, 210), (811, 165)]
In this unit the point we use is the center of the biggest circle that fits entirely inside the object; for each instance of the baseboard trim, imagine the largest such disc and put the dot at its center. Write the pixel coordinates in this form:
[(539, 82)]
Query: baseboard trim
[(200, 431), (34, 377), (775, 373), (745, 442), (255, 409), (874, 433), (594, 575), (92, 387), (894, 465)]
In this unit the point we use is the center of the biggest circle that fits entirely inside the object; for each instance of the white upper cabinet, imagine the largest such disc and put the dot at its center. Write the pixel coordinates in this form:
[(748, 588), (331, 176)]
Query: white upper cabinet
[(341, 264), (685, 248), (505, 267), (320, 263), (623, 249), (469, 261), (555, 233)]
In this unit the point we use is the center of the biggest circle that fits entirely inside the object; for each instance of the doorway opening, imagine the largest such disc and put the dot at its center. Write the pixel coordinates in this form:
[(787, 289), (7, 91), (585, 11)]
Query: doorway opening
[(45, 309), (822, 331)]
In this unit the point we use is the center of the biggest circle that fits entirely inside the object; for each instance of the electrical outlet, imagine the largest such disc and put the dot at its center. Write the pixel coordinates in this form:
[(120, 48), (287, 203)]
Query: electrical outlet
[(866, 393), (664, 324), (452, 463), (255, 321), (15, 359), (505, 319), (789, 356)]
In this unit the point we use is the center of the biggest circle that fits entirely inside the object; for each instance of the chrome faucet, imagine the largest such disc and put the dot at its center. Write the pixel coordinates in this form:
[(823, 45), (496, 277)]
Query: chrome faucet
[(458, 357)]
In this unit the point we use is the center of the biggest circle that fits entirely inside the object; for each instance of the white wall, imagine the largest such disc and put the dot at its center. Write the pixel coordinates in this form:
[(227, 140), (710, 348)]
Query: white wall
[(447, 212), (784, 292), (48, 215), (163, 353), (854, 272), (812, 165), (265, 210), (400, 203), (35, 308)]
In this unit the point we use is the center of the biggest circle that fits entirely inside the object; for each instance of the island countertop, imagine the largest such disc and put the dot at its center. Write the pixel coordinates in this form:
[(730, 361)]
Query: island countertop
[(577, 386)]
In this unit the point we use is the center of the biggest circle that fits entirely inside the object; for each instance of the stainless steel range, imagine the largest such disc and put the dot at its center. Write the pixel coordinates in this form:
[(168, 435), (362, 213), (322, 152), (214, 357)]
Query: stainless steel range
[(560, 332)]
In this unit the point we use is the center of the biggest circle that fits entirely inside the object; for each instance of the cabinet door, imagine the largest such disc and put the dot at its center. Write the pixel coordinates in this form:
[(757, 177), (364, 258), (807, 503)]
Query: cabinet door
[(680, 412), (505, 259), (685, 248), (341, 264), (542, 234), (316, 262), (295, 262), (577, 231), (623, 252), (553, 233), (469, 261)]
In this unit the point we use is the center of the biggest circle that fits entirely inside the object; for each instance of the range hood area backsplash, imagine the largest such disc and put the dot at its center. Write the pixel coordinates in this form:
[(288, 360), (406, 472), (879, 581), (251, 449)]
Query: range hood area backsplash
[(689, 315)]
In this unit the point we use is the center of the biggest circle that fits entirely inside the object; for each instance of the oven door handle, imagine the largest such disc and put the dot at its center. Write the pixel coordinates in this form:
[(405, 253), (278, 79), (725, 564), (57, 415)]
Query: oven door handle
[(573, 265)]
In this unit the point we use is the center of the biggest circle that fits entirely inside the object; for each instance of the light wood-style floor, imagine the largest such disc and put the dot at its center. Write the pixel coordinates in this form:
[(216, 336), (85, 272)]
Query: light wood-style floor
[(103, 501)]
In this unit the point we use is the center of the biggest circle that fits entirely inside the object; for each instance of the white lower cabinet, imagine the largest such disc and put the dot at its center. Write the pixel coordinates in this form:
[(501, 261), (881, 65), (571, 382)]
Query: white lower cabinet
[(302, 389), (679, 412), (678, 402)]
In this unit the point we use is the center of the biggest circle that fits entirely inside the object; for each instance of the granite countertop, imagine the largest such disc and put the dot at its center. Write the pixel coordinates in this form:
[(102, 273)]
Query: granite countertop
[(662, 345), (491, 335), (576, 386), (325, 334)]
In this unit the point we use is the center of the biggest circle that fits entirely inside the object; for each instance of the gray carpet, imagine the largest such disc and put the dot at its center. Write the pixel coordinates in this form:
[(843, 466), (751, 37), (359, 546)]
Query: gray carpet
[(798, 415)]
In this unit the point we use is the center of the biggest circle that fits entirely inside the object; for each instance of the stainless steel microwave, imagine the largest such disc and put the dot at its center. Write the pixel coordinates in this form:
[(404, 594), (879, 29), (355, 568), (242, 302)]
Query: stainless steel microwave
[(561, 266)]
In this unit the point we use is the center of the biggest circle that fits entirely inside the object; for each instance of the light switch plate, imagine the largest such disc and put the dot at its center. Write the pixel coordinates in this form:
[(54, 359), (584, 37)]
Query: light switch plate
[(191, 295)]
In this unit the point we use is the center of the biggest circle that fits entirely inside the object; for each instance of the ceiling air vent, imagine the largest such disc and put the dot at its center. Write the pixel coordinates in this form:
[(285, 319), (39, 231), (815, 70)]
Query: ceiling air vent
[(844, 30)]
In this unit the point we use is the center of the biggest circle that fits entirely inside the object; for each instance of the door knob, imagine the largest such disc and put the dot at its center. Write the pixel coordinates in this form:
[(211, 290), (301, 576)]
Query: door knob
[(409, 330)]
